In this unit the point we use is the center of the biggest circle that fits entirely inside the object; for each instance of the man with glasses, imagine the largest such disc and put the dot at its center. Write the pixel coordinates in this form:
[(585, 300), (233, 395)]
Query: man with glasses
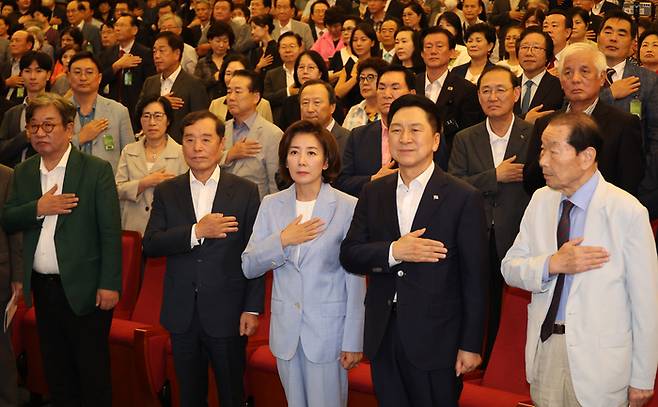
[(14, 144), (65, 202), (490, 156), (92, 34), (541, 92), (102, 126), (280, 81), (284, 11), (455, 96)]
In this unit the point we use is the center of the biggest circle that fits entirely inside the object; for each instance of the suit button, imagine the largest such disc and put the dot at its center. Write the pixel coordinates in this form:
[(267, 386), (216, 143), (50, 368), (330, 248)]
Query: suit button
[(199, 261), (400, 273), (147, 209)]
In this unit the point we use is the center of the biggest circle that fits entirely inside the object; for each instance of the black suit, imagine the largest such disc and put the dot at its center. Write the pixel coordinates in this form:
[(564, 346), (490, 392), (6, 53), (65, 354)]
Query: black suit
[(621, 160), (14, 145), (362, 158), (440, 306), (120, 89), (459, 107), (549, 93), (275, 90), (186, 87), (205, 292)]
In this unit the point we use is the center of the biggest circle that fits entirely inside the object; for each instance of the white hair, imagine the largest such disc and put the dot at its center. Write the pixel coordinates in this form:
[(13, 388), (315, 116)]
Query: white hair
[(170, 16), (597, 57)]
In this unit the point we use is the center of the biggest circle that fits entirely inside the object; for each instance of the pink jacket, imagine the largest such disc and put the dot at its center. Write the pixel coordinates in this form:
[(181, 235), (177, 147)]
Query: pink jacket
[(325, 46)]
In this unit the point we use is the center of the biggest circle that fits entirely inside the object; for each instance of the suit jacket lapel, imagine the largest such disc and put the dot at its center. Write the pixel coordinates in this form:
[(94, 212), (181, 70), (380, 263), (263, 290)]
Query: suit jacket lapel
[(325, 207), (185, 198), (223, 196), (74, 170), (517, 140), (483, 146), (431, 200), (446, 94), (389, 204)]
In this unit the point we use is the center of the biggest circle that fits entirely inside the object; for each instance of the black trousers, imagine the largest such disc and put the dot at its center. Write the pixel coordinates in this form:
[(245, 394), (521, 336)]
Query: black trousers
[(193, 350), (74, 348), (8, 375), (496, 284), (398, 383)]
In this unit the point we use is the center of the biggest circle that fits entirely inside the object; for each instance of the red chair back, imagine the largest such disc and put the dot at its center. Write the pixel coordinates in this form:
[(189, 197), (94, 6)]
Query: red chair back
[(147, 308), (506, 368), (131, 256)]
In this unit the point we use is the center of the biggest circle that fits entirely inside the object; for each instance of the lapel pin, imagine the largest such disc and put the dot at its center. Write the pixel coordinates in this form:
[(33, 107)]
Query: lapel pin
[(522, 136), (435, 197), (450, 88)]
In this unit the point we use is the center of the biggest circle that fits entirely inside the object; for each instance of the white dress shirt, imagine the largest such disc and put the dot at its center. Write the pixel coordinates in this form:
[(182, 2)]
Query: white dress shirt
[(433, 89), (304, 208), (167, 83), (535, 84), (408, 199), (619, 71), (45, 255), (128, 48), (290, 78), (589, 109), (203, 196), (498, 144)]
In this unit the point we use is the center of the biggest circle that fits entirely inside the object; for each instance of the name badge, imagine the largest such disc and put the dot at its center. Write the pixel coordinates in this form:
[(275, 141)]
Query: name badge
[(128, 78), (636, 107), (108, 142)]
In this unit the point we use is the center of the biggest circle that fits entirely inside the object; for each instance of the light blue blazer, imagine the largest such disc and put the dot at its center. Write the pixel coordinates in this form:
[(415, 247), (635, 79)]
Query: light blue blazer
[(313, 299)]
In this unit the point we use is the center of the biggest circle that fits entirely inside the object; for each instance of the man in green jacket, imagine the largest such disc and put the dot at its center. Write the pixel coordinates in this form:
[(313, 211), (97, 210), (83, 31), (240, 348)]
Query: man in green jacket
[(65, 203)]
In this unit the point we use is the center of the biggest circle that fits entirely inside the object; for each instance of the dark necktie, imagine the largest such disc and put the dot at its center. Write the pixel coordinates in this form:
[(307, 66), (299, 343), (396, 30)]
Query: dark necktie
[(563, 228), (609, 73)]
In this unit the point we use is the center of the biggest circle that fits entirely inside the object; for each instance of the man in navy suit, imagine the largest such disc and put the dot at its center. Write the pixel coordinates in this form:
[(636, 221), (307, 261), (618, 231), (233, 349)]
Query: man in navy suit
[(421, 236)]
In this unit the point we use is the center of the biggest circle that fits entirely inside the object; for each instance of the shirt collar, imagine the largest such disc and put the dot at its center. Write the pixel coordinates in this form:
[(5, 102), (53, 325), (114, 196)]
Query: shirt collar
[(82, 24), (534, 80), (440, 79), (419, 181), (173, 76), (559, 55), (128, 48), (589, 109), (77, 106), (331, 124), (249, 122), (214, 177), (619, 69), (582, 197), (493, 137), (61, 164)]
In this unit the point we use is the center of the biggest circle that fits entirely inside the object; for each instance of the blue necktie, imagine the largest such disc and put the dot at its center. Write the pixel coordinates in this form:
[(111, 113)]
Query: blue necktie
[(525, 103)]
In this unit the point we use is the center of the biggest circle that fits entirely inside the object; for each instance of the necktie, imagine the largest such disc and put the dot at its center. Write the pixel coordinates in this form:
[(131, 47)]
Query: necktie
[(551, 64), (563, 228), (525, 103), (609, 73), (386, 153), (121, 53)]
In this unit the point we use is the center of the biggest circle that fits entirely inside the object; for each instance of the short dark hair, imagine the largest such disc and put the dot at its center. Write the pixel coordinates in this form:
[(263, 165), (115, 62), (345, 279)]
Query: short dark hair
[(317, 60), (376, 64), (568, 22), (42, 59), (318, 2), (643, 37), (453, 19), (408, 75), (194, 117), (514, 80), (581, 12), (134, 22), (219, 29), (64, 106), (547, 39), (483, 28), (85, 55), (155, 98), (334, 15), (43, 10), (256, 83), (535, 12), (411, 100), (331, 93), (265, 20), (367, 29), (75, 33), (174, 41), (584, 132), (292, 4), (326, 140), (227, 60), (287, 34), (620, 15), (5, 19), (167, 3), (62, 51), (418, 9), (452, 42)]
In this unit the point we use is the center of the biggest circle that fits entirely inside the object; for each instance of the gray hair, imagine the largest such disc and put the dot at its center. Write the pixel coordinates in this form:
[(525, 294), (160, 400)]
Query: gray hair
[(598, 58), (170, 16), (64, 106)]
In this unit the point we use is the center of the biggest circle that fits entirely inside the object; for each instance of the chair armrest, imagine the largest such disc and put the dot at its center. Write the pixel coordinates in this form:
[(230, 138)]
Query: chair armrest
[(527, 403), (149, 347)]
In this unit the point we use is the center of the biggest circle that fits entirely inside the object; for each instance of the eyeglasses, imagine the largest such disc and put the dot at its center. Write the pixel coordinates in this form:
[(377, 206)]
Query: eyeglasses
[(368, 78), (487, 92), (157, 116), (348, 29), (307, 68), (46, 126), (85, 72), (531, 48)]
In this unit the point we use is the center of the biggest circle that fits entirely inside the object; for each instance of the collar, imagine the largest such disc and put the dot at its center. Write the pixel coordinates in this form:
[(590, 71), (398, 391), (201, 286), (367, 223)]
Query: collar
[(128, 48), (582, 197), (173, 76), (214, 177), (331, 125), (82, 24), (589, 109), (537, 78), (493, 137), (286, 27), (420, 180), (77, 105), (559, 55), (441, 79), (619, 69), (61, 164), (288, 71), (249, 122)]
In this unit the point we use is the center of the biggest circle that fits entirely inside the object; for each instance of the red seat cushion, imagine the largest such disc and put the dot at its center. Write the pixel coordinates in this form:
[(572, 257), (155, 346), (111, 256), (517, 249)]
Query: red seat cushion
[(131, 259)]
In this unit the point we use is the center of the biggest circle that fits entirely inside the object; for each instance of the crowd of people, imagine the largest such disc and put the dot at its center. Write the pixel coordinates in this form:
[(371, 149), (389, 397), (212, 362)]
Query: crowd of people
[(444, 149)]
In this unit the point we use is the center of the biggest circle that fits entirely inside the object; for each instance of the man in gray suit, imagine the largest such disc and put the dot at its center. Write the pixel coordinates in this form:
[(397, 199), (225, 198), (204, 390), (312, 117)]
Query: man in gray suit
[(280, 81), (251, 145), (75, 13), (317, 102), (284, 10), (11, 281), (632, 88), (490, 156), (102, 126), (14, 145)]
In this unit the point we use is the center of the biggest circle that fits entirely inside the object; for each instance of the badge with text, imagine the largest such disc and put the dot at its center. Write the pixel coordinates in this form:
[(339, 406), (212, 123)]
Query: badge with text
[(108, 142)]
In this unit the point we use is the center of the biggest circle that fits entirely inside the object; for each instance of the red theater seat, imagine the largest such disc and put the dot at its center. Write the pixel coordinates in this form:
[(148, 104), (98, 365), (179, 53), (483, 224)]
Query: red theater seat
[(131, 275)]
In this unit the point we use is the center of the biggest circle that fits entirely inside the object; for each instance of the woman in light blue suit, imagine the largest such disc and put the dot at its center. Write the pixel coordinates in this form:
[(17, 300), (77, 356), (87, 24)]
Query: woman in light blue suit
[(316, 329)]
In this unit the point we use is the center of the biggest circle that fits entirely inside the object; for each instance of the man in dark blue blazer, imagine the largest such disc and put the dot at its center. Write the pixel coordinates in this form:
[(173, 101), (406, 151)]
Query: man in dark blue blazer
[(202, 221), (421, 237)]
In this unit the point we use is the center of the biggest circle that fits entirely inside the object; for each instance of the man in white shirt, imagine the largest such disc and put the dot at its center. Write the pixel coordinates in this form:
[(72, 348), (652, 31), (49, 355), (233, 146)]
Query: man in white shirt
[(490, 156), (202, 221), (284, 10), (66, 204), (387, 31), (420, 236), (558, 25), (172, 22)]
